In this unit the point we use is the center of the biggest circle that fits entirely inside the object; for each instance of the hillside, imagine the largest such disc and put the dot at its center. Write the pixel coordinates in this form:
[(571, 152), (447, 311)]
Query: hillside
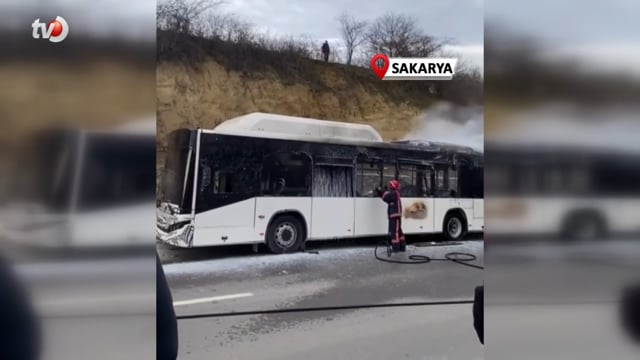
[(201, 83), (85, 83)]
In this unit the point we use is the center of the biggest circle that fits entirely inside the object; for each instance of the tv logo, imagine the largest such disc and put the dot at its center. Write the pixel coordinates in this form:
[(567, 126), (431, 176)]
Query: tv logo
[(56, 30)]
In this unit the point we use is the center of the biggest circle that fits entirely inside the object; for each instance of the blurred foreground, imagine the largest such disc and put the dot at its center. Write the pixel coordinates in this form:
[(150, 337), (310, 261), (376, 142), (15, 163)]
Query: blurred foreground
[(562, 196), (77, 182)]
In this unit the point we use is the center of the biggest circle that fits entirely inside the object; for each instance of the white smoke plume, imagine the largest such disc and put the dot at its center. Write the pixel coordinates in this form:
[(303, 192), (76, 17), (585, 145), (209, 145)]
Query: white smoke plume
[(450, 123)]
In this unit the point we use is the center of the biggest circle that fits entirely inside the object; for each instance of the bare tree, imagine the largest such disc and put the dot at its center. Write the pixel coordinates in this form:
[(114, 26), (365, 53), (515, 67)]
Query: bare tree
[(229, 28), (180, 15), (398, 35), (353, 33)]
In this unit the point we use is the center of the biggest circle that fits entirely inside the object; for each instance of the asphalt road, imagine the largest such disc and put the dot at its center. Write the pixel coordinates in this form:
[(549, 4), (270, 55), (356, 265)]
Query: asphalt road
[(337, 275), (545, 301), (93, 307), (559, 300)]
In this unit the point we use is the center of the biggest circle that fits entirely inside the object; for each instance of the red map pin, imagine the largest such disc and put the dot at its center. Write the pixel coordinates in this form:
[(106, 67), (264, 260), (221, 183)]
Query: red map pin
[(379, 71)]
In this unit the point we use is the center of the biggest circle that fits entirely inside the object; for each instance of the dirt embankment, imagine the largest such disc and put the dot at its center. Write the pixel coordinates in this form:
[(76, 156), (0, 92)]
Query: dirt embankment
[(206, 96)]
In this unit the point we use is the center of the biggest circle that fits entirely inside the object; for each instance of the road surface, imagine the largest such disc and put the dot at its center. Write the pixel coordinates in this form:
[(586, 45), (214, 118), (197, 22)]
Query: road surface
[(93, 308), (559, 300), (334, 276), (545, 301)]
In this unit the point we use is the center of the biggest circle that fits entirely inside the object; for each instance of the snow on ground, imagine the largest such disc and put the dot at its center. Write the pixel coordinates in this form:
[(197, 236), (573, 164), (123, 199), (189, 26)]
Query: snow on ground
[(326, 257)]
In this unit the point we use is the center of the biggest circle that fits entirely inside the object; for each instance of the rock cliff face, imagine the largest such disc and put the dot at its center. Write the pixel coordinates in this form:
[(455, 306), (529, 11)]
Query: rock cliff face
[(202, 82), (208, 95)]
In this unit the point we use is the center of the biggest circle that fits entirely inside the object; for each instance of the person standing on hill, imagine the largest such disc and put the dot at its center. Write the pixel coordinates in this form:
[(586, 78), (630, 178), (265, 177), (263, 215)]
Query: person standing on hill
[(325, 51)]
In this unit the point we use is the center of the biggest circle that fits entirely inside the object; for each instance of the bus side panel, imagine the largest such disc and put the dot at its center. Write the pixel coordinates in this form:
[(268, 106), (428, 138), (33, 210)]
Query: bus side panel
[(126, 225), (370, 217), (332, 217), (618, 214), (443, 205), (230, 224), (524, 215), (418, 216), (476, 220), (231, 235), (478, 208), (621, 215), (268, 207)]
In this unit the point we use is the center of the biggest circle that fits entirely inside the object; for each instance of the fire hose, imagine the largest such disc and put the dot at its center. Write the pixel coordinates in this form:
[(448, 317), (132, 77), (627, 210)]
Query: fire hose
[(461, 258)]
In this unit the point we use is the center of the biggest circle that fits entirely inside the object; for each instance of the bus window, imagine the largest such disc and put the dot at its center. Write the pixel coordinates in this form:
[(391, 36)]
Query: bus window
[(286, 174), (117, 171), (411, 184), (368, 177), (426, 181), (615, 176), (528, 183), (477, 183), (442, 189), (226, 178), (580, 181), (45, 170), (471, 182), (388, 173), (222, 182), (498, 180), (554, 181), (333, 181), (453, 182)]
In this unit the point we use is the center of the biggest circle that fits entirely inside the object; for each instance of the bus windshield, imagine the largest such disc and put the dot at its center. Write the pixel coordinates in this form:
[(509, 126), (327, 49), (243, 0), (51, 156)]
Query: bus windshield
[(175, 187), (117, 170), (43, 170)]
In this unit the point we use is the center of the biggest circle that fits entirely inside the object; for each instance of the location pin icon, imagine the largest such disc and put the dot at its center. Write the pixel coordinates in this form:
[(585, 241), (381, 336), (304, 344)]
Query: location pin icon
[(379, 71)]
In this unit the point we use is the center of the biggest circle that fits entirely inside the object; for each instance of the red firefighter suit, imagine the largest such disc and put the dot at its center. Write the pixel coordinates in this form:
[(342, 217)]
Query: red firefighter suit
[(394, 213)]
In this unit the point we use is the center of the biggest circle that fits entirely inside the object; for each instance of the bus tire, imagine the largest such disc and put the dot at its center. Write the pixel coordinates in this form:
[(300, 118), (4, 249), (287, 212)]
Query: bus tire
[(285, 235), (585, 225), (454, 226)]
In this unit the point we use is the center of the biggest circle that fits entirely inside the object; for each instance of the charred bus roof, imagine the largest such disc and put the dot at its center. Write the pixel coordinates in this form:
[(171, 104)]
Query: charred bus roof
[(291, 128), (284, 127)]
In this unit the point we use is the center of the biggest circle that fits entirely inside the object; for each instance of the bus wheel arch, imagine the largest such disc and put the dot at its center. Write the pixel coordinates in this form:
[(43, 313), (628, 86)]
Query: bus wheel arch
[(455, 224), (594, 220), (287, 232)]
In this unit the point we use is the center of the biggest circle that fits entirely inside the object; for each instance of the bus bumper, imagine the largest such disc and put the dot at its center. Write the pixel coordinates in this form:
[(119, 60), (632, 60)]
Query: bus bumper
[(182, 237)]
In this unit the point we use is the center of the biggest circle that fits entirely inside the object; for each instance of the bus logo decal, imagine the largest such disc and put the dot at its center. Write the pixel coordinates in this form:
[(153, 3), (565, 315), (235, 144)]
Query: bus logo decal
[(417, 210)]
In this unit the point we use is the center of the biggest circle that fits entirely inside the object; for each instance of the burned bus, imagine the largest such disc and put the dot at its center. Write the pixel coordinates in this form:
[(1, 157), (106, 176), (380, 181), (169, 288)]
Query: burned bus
[(80, 188), (282, 180)]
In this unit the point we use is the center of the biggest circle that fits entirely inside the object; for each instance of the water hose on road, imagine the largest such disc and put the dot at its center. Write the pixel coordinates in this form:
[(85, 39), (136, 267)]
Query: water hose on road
[(415, 259)]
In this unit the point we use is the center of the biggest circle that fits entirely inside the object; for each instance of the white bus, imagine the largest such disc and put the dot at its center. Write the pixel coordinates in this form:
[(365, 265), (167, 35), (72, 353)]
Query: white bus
[(281, 181), (74, 188), (563, 179)]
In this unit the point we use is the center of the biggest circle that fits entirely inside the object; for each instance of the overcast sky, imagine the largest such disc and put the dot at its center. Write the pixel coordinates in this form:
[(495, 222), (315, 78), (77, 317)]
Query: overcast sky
[(591, 27), (459, 20), (572, 21), (604, 35)]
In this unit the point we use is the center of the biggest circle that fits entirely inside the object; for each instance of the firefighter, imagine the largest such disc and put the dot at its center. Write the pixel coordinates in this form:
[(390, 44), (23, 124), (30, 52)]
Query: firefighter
[(394, 213)]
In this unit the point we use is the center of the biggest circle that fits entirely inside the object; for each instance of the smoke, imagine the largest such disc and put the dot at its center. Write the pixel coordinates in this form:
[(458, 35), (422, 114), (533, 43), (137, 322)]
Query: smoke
[(450, 123)]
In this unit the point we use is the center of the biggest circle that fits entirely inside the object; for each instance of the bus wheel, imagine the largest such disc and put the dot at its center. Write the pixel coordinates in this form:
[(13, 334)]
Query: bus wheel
[(585, 226), (454, 226), (285, 235)]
